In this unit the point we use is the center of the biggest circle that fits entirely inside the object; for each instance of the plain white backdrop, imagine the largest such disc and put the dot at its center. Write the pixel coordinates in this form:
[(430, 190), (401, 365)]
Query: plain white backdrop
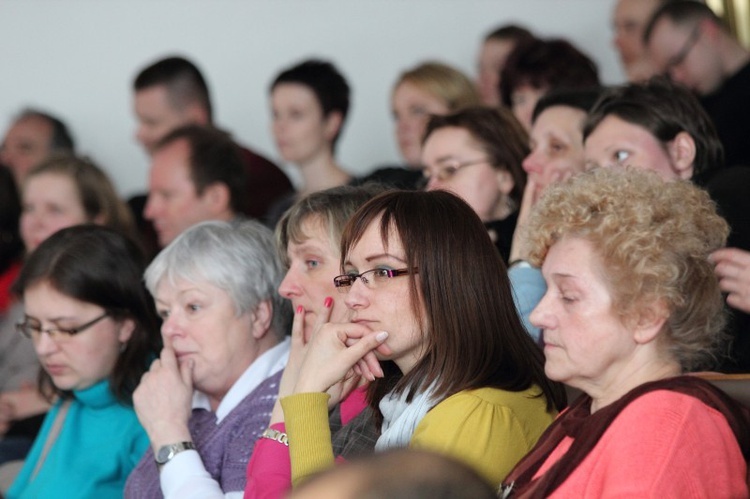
[(77, 59)]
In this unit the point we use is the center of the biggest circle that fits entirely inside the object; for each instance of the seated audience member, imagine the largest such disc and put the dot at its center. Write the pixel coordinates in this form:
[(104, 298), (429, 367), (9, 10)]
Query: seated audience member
[(11, 245), (631, 305), (556, 154), (535, 68), (171, 93), (476, 154), (427, 89), (93, 327), (209, 396), (690, 44), (496, 47), (33, 137), (661, 126), (60, 192), (196, 175), (629, 20), (448, 381), (309, 102), (398, 474), (309, 237)]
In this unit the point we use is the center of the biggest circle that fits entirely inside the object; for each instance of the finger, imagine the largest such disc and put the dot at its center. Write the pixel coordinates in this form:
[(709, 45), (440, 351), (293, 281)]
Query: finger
[(186, 372), (373, 365), (357, 351), (168, 359), (298, 325), (733, 255), (324, 316)]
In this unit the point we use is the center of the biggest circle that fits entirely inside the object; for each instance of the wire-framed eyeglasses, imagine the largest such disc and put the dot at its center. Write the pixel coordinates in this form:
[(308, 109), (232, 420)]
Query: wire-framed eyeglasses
[(448, 169), (33, 329), (373, 279)]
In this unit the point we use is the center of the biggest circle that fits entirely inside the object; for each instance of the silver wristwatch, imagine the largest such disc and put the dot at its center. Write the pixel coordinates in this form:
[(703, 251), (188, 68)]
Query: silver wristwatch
[(167, 452)]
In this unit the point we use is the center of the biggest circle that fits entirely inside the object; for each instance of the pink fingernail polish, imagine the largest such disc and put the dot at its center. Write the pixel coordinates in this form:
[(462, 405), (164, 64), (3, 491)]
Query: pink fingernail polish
[(328, 302), (300, 309)]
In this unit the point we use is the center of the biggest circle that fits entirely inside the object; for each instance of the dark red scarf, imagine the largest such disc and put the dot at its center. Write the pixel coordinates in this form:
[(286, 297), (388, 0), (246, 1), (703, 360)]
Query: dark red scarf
[(586, 429)]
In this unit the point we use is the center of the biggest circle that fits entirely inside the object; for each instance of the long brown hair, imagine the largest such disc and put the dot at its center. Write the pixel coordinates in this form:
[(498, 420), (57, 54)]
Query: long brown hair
[(472, 334)]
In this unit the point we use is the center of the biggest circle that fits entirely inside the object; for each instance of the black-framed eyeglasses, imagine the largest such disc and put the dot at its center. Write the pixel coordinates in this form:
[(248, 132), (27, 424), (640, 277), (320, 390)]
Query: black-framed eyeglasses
[(680, 56), (448, 169), (373, 279), (33, 329)]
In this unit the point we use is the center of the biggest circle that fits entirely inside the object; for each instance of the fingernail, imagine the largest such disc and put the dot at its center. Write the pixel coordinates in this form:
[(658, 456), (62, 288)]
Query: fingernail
[(381, 336), (328, 302), (300, 309)]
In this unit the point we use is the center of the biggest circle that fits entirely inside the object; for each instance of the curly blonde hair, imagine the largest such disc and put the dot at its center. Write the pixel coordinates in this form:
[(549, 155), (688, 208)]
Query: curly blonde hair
[(654, 239)]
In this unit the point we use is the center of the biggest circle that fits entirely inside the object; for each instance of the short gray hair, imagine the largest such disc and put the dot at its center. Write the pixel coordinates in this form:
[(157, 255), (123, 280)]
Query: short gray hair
[(240, 258)]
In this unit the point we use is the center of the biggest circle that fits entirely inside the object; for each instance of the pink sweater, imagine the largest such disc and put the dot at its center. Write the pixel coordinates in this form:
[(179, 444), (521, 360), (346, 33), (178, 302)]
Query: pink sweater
[(663, 445), (269, 472)]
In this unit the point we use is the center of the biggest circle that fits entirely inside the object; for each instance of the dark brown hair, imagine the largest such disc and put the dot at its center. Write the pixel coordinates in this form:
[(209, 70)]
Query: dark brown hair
[(98, 265), (547, 64), (499, 134), (472, 334)]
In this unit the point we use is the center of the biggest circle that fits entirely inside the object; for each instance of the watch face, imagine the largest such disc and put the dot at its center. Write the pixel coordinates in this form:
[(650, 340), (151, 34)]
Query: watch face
[(164, 454)]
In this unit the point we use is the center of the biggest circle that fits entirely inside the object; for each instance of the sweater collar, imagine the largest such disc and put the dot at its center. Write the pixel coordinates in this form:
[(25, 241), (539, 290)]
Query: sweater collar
[(96, 396)]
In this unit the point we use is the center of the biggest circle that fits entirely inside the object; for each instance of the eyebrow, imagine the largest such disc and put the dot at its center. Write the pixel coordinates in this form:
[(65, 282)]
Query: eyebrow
[(377, 257)]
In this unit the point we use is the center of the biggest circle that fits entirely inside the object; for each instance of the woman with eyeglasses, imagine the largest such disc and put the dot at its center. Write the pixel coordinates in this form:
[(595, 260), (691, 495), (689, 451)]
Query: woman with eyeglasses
[(476, 154), (432, 324), (93, 328)]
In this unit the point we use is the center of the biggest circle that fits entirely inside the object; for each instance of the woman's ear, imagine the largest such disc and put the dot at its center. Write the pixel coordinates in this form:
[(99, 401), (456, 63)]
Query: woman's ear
[(505, 182), (127, 326), (682, 153), (651, 319), (261, 318), (332, 124)]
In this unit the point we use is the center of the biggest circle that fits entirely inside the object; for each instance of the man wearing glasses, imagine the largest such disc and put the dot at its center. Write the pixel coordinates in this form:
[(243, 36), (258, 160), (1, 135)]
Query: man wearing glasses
[(690, 44)]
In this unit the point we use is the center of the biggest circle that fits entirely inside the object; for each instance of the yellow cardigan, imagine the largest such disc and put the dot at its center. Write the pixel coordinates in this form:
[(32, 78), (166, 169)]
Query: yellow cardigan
[(489, 429)]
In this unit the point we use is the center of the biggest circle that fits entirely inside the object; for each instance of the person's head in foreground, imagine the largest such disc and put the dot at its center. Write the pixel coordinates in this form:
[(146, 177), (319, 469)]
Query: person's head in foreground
[(397, 474), (656, 125), (309, 240), (632, 303)]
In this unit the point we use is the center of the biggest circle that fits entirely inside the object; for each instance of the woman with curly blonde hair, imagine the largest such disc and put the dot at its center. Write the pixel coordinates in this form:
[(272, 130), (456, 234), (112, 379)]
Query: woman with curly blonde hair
[(631, 304)]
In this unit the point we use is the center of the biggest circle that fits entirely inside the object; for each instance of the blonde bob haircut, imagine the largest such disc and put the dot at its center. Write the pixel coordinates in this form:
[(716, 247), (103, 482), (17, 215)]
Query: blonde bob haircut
[(653, 239), (443, 82)]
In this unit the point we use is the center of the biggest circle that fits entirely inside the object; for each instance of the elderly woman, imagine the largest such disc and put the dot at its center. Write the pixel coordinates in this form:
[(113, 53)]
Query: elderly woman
[(209, 396), (632, 304)]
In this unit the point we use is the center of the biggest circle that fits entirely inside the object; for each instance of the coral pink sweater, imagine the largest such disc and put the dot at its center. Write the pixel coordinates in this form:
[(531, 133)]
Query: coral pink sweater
[(663, 445)]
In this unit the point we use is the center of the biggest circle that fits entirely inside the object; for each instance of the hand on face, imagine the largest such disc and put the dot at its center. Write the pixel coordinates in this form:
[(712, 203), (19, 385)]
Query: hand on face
[(338, 352), (163, 400)]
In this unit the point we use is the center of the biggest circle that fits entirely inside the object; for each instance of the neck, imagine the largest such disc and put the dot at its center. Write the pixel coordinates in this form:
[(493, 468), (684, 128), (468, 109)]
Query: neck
[(321, 172), (628, 378)]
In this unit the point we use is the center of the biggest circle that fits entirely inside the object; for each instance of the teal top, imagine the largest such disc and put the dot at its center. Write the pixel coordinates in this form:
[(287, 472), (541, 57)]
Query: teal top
[(98, 446)]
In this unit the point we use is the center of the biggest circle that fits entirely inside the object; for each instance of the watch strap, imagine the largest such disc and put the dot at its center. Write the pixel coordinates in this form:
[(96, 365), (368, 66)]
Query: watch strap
[(276, 435)]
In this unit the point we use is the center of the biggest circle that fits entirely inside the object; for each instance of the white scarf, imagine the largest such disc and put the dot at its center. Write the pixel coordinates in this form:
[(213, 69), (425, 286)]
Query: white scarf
[(400, 418)]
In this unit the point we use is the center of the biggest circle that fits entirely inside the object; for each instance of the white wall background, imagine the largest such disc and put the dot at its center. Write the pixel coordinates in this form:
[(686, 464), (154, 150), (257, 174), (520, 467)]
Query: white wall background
[(77, 59)]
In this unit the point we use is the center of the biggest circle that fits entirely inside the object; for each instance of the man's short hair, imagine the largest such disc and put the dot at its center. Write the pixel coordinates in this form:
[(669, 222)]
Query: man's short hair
[(681, 12), (214, 157), (183, 80), (61, 140)]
